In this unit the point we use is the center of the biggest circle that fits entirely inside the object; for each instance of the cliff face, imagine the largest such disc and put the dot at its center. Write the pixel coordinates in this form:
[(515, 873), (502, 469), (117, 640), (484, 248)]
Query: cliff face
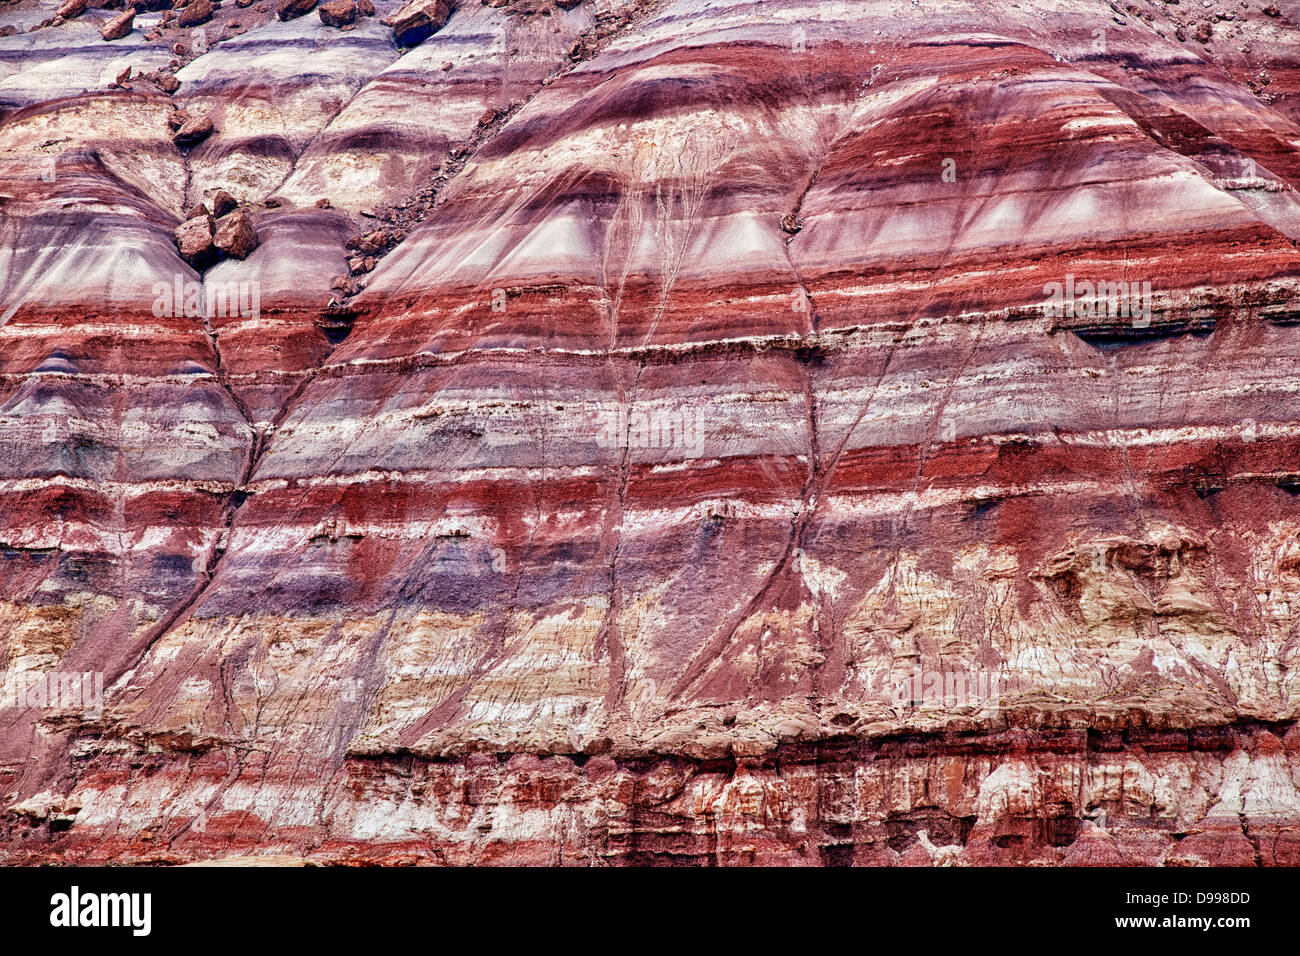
[(652, 432)]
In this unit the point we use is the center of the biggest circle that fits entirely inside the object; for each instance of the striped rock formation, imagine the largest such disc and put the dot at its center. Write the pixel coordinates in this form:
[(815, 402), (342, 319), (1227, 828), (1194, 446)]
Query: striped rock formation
[(655, 432)]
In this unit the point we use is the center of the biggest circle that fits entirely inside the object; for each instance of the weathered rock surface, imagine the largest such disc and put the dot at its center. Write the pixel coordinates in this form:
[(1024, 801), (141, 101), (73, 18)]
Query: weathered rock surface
[(667, 433)]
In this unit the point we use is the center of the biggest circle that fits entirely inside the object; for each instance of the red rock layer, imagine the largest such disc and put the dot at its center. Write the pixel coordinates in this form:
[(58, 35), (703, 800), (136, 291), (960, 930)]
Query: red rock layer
[(713, 398)]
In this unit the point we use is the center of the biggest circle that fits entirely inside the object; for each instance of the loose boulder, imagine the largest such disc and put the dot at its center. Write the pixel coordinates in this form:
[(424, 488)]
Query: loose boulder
[(235, 235), (223, 203), (419, 20), (194, 131), (195, 13), (292, 9), (194, 240), (119, 26), (337, 13), (72, 8)]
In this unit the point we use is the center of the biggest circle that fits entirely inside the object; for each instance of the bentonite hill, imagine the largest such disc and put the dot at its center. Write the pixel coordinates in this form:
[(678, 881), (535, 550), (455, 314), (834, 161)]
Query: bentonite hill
[(580, 431)]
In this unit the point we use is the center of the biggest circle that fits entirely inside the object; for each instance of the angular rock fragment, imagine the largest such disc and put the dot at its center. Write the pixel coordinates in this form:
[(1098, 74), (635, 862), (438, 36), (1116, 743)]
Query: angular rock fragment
[(71, 9), (194, 240), (372, 241), (419, 20), (194, 131), (119, 26), (582, 47), (223, 202), (195, 13), (235, 235), (291, 9), (337, 13)]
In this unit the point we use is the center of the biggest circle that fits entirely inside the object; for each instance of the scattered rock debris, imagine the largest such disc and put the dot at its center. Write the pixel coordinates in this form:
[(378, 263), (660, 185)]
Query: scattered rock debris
[(401, 218), (205, 236)]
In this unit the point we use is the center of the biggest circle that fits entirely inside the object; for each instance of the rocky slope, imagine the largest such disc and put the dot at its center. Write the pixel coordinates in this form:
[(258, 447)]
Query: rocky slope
[(652, 432)]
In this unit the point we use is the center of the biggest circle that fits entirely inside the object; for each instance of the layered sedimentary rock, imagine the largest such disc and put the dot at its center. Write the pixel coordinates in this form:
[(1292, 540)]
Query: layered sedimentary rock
[(762, 433)]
